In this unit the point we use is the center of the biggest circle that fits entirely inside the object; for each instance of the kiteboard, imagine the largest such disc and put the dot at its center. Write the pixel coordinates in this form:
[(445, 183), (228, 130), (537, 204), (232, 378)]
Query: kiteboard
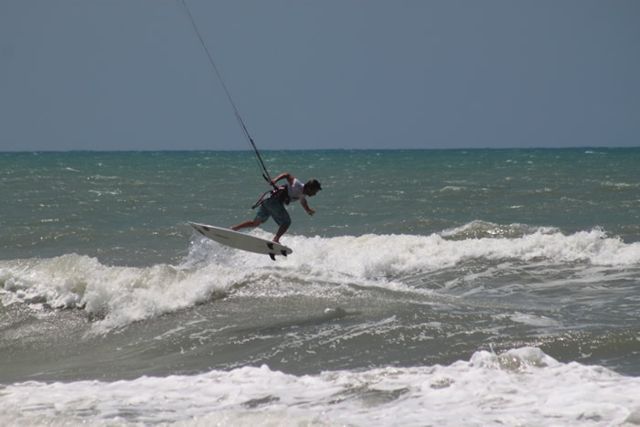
[(241, 241)]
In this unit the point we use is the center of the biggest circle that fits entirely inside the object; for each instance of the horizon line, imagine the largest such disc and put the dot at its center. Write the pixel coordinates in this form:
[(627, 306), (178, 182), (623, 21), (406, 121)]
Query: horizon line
[(189, 150)]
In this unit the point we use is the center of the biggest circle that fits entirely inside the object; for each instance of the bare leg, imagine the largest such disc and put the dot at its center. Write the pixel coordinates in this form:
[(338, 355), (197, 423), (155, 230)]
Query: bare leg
[(283, 229), (247, 224)]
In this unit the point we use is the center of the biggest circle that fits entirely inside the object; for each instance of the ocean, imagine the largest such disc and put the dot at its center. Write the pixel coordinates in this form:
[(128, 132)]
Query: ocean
[(431, 288)]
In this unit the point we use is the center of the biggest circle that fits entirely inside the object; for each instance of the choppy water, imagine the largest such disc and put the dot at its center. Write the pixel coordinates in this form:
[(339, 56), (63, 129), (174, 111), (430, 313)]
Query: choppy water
[(479, 287)]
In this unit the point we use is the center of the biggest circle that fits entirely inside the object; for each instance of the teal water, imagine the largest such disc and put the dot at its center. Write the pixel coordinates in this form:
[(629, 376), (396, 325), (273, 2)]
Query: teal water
[(452, 287), (131, 208)]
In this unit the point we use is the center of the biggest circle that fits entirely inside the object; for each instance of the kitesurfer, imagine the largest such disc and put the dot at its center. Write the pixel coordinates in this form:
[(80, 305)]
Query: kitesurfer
[(274, 204)]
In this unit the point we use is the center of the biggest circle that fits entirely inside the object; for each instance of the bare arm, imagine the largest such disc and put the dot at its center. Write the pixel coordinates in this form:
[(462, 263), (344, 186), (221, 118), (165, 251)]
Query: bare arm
[(282, 176), (306, 206)]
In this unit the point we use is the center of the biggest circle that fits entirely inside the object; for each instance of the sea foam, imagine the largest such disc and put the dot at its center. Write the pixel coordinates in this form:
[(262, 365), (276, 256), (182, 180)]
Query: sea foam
[(520, 386), (117, 295)]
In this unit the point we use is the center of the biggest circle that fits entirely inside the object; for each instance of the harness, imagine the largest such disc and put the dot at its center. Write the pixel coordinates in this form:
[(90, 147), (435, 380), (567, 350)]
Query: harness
[(279, 193)]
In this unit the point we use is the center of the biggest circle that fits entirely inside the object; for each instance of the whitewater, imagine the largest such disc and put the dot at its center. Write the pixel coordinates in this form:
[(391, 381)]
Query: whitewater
[(116, 296)]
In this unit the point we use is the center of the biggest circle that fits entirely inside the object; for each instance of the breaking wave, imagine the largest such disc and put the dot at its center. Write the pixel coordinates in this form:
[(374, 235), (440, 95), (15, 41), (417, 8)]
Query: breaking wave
[(116, 296)]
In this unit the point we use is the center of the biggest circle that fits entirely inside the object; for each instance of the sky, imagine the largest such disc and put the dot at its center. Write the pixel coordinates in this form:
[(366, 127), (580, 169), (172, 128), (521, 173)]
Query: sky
[(330, 74)]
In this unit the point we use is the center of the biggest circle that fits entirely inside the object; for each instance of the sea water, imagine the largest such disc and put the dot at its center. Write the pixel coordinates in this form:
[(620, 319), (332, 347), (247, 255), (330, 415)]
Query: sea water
[(453, 287)]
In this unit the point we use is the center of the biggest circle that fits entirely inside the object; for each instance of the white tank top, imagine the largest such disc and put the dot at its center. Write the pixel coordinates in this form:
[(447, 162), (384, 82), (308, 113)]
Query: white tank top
[(295, 190)]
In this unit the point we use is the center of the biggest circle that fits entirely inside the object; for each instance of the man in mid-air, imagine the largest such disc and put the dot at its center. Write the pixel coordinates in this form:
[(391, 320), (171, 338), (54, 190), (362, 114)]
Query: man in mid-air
[(274, 205)]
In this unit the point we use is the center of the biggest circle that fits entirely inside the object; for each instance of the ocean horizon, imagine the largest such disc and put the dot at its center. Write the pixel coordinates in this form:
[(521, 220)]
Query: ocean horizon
[(178, 150)]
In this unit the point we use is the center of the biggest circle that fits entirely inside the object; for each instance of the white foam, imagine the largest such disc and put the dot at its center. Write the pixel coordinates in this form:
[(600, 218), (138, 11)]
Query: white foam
[(121, 295), (533, 320), (378, 256), (479, 229), (520, 387), (118, 295), (620, 185), (453, 188)]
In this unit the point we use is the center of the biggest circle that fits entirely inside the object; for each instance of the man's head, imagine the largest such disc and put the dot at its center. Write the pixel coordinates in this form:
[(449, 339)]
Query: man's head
[(312, 187)]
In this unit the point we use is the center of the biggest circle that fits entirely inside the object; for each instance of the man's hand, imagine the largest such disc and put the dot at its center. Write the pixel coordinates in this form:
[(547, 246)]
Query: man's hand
[(306, 206)]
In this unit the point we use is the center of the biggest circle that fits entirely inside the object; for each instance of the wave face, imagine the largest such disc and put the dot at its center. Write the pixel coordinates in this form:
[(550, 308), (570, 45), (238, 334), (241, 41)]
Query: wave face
[(519, 386)]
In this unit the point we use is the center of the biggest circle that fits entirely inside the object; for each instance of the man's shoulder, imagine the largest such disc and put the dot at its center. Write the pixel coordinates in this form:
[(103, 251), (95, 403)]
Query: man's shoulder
[(296, 183)]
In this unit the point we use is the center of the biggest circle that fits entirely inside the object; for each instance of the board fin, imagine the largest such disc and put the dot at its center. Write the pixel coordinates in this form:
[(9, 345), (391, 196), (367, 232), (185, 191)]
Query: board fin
[(272, 256)]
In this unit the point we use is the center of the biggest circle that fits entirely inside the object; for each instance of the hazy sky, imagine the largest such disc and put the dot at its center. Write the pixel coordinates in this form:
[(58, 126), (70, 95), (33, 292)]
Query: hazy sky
[(131, 74)]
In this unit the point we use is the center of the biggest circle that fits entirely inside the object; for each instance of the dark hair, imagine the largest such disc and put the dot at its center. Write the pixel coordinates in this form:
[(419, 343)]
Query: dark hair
[(313, 183)]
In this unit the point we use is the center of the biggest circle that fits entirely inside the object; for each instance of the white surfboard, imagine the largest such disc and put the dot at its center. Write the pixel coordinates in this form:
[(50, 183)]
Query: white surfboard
[(241, 241)]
